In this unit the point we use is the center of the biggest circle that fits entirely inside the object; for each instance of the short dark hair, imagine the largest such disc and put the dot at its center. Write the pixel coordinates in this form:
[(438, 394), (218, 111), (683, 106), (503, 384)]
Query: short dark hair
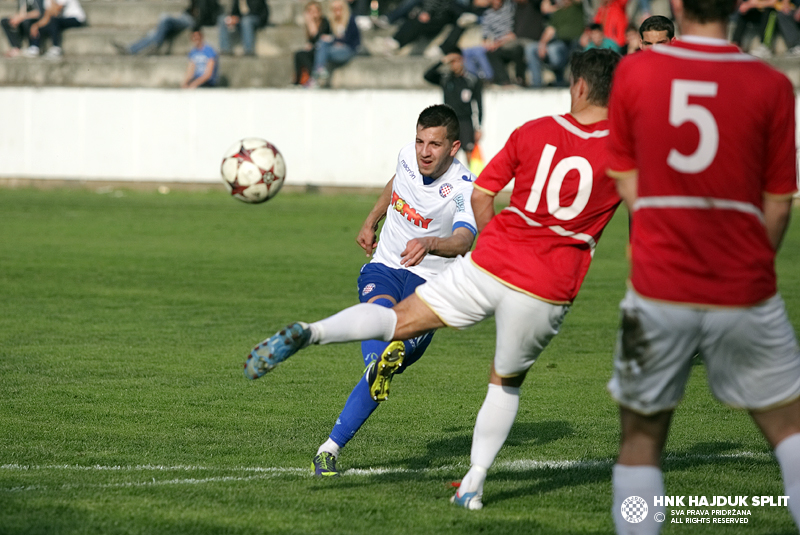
[(657, 23), (704, 11), (595, 26), (596, 67), (197, 28), (441, 115)]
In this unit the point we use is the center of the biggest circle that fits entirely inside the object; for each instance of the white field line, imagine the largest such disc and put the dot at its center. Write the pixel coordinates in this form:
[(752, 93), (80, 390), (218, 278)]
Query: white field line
[(270, 472)]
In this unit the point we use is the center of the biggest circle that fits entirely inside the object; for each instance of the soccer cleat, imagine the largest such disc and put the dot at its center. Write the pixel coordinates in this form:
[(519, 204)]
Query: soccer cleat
[(469, 500), (379, 376), (324, 465), (275, 349)]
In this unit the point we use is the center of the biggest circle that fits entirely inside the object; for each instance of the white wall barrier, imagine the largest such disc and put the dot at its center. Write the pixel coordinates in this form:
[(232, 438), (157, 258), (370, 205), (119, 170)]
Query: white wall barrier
[(328, 138)]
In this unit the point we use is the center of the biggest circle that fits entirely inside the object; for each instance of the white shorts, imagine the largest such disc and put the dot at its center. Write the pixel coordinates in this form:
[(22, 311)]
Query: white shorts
[(751, 354), (463, 295)]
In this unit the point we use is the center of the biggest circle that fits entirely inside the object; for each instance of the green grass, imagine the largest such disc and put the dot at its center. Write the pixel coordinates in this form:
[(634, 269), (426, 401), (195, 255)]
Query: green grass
[(124, 320)]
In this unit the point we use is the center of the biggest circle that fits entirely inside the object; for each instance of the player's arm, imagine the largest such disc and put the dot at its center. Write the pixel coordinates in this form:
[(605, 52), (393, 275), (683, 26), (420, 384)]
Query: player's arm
[(777, 212), (627, 186), (482, 206), (458, 243), (366, 236)]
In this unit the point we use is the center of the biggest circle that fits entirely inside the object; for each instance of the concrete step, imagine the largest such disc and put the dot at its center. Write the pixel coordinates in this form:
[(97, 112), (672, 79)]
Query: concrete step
[(145, 13), (271, 41), (147, 72)]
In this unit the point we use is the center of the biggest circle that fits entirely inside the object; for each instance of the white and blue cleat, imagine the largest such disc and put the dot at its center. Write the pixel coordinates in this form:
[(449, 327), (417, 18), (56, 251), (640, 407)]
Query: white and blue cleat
[(469, 500), (275, 349)]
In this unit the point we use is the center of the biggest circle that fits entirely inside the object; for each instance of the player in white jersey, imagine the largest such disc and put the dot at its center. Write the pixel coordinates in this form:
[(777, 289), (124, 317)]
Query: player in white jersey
[(561, 201), (429, 222)]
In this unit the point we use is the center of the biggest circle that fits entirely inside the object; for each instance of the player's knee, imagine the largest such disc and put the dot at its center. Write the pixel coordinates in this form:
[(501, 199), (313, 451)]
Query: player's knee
[(383, 300)]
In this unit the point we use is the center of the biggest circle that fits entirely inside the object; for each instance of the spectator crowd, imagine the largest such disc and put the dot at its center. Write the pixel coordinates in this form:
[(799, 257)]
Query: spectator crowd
[(506, 43)]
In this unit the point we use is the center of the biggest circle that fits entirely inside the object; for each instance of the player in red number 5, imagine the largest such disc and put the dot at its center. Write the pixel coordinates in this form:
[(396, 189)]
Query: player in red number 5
[(709, 182)]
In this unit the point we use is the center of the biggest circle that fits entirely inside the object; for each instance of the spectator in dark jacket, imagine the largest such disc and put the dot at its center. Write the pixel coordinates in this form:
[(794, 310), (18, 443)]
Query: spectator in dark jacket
[(17, 26), (244, 17)]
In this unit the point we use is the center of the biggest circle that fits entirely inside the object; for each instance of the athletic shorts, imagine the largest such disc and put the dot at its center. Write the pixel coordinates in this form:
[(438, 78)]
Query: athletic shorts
[(464, 294), (751, 354), (378, 279)]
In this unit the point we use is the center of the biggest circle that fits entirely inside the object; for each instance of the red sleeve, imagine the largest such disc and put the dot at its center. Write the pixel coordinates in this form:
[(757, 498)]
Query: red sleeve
[(781, 172), (502, 168), (621, 157)]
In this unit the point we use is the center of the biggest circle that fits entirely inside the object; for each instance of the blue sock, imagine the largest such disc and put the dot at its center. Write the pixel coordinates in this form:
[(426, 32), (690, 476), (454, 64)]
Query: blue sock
[(358, 408)]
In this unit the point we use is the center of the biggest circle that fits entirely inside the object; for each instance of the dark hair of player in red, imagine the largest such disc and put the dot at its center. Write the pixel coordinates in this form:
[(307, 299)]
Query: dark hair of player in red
[(440, 115), (657, 23), (705, 11), (596, 66)]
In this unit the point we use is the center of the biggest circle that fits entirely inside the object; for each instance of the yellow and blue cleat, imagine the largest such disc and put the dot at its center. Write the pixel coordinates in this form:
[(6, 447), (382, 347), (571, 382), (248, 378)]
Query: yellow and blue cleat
[(379, 376)]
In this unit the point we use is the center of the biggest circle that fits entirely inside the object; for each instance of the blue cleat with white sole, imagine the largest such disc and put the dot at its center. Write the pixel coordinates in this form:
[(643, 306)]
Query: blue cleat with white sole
[(275, 349), (469, 500)]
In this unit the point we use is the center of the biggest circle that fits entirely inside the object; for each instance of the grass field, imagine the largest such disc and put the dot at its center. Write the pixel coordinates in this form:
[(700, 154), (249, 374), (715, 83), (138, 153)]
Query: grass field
[(124, 320)]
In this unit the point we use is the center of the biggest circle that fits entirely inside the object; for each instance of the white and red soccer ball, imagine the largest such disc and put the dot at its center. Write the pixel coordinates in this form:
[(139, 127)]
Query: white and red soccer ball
[(253, 170)]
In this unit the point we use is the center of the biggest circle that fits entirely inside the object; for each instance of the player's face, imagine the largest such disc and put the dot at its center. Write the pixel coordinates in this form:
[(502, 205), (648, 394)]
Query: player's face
[(653, 37), (435, 152)]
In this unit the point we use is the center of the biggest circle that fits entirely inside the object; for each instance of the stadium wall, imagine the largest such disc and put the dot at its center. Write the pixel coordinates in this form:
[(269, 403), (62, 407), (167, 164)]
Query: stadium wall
[(328, 138)]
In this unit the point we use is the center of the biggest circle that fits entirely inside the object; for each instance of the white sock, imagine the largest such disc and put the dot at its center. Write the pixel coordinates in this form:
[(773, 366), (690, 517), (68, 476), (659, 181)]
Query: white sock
[(646, 482), (492, 426), (365, 321), (788, 455), (330, 446)]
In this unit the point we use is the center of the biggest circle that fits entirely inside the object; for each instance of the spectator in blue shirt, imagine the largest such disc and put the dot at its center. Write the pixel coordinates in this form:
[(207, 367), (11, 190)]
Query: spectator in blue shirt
[(203, 63)]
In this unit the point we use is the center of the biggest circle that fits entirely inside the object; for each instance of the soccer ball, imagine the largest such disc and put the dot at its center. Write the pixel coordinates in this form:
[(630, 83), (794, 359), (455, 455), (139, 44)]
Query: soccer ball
[(253, 170)]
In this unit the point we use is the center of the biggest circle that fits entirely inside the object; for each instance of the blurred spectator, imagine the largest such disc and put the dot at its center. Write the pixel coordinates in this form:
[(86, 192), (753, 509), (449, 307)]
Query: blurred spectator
[(59, 15), (244, 17), (17, 27), (316, 26), (768, 16), (397, 14), (425, 21), (199, 13), (612, 17), (595, 38), (462, 92), (528, 27), (560, 37), (656, 30), (500, 42), (203, 67), (633, 40), (338, 47)]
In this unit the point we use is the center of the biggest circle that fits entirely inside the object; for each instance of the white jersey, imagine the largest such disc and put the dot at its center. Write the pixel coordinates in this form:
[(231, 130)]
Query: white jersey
[(418, 210)]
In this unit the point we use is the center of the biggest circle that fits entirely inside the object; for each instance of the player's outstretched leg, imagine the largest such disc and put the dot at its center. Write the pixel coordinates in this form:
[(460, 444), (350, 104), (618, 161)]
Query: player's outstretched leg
[(275, 349), (380, 375)]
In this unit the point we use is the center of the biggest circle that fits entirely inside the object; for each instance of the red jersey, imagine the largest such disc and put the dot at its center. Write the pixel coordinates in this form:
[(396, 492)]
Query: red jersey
[(542, 243), (711, 131)]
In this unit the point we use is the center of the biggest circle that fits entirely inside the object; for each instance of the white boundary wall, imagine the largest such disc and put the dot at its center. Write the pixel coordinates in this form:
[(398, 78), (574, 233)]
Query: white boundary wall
[(328, 138)]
